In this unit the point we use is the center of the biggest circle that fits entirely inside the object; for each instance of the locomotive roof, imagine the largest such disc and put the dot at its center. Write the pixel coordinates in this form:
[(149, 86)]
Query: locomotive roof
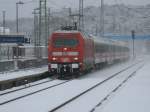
[(95, 38), (67, 31)]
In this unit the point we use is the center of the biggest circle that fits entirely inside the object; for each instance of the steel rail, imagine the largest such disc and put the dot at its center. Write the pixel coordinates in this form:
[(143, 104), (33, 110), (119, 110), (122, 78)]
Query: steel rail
[(91, 88), (115, 89), (29, 94), (26, 87)]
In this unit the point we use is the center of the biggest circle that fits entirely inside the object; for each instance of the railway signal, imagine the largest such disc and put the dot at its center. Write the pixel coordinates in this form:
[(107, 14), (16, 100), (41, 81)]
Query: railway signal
[(133, 38)]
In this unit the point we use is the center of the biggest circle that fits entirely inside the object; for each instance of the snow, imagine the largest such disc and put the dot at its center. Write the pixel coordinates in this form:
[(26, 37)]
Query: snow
[(46, 100), (133, 97), (6, 60), (96, 95), (22, 73), (27, 91), (24, 86)]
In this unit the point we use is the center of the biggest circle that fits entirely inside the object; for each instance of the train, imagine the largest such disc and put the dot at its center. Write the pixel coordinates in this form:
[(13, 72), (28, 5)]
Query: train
[(74, 52)]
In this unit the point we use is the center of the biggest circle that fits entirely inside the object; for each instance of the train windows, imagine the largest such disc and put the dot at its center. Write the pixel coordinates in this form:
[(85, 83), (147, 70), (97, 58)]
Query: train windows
[(102, 48), (64, 42)]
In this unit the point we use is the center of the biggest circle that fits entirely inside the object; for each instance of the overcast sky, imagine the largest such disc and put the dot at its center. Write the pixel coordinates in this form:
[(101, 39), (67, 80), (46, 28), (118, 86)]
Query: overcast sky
[(26, 10)]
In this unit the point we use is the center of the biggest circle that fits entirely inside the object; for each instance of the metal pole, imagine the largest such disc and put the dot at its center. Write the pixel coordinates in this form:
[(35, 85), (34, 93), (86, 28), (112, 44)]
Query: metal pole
[(34, 12), (114, 21), (46, 26), (34, 27), (133, 37), (79, 28), (4, 22), (81, 20), (43, 33), (133, 48), (17, 31), (16, 60), (17, 17), (102, 18), (82, 16), (40, 25), (8, 53), (49, 15), (36, 31)]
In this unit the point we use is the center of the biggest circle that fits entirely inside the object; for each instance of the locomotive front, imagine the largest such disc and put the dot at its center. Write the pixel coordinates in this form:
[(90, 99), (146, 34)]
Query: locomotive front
[(65, 53)]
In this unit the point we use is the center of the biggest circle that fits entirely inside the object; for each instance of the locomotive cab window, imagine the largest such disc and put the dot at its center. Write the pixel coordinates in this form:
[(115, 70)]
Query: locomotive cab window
[(65, 42)]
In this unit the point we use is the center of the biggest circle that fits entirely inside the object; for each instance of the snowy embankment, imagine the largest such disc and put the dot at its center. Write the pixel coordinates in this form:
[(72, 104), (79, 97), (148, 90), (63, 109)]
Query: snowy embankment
[(134, 96)]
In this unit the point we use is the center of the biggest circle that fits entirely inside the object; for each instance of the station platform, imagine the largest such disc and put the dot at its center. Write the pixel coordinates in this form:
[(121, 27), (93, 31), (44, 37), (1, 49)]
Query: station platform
[(23, 76), (9, 65), (6, 76)]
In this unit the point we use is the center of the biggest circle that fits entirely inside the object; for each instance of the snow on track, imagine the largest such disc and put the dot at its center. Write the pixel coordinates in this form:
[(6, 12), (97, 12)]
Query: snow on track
[(16, 94), (47, 99), (97, 94), (50, 98), (134, 97), (24, 86)]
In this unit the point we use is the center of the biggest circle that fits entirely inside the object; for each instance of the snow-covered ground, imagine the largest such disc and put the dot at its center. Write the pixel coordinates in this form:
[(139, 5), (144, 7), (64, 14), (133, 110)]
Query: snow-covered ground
[(25, 86), (86, 102), (21, 73), (133, 97), (134, 92)]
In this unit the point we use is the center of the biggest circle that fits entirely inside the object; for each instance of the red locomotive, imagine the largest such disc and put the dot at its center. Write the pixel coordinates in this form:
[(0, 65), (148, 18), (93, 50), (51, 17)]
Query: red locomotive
[(74, 52)]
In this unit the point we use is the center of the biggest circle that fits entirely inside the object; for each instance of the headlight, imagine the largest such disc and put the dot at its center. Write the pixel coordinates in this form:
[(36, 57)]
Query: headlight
[(65, 48), (54, 58), (75, 58)]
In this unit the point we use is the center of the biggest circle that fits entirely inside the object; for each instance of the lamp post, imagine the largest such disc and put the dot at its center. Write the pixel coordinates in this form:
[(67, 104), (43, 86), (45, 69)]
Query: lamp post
[(17, 31), (36, 30), (4, 22), (18, 3)]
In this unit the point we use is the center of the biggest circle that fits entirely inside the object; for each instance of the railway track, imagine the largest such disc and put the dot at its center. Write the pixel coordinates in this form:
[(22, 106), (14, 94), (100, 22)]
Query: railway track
[(6, 101), (115, 89), (52, 79), (25, 87), (31, 93), (91, 88), (15, 80)]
